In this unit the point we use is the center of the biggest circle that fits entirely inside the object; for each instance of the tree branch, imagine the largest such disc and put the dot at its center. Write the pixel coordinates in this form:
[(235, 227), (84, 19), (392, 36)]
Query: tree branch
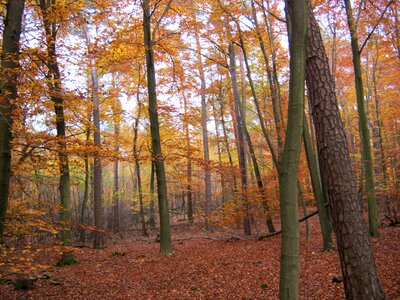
[(376, 25)]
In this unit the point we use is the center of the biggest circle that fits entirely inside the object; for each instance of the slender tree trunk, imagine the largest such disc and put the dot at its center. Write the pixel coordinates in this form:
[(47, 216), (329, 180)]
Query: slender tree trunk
[(226, 142), (189, 196), (8, 90), (98, 242), (273, 84), (358, 267), (152, 214), (241, 141), (363, 123), (255, 164), (137, 168), (86, 190), (378, 124), (204, 118), (289, 265), (116, 221), (54, 84), (165, 231), (223, 189), (326, 227)]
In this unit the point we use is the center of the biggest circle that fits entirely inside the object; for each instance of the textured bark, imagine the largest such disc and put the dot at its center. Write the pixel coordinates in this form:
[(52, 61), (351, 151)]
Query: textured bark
[(289, 265), (363, 123), (55, 89), (8, 90), (241, 141), (358, 267), (165, 231)]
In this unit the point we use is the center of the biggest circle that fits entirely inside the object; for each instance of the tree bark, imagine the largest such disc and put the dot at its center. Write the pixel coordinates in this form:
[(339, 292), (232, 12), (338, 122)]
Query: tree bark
[(137, 167), (8, 90), (204, 118), (98, 242), (289, 265), (241, 141), (363, 123), (326, 227), (358, 266), (55, 89), (165, 231)]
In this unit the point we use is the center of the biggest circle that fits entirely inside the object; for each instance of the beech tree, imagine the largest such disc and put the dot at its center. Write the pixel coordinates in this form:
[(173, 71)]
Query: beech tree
[(296, 19), (8, 93), (165, 231)]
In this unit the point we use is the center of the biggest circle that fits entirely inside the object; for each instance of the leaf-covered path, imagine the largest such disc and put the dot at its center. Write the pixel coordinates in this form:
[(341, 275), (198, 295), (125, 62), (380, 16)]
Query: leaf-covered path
[(205, 269)]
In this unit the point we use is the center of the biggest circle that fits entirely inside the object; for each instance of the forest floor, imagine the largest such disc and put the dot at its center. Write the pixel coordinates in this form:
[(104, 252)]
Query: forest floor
[(218, 265)]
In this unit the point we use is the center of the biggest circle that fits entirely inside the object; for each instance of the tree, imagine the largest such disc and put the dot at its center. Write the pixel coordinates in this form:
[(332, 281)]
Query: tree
[(98, 242), (363, 123), (56, 96), (296, 18), (8, 92), (358, 267), (165, 231), (241, 139)]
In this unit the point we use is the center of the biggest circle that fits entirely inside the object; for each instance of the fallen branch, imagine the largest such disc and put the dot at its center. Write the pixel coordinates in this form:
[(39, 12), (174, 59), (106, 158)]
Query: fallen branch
[(197, 237), (280, 231)]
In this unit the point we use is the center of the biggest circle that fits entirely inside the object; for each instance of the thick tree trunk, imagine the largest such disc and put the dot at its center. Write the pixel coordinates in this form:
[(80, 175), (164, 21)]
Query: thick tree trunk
[(289, 266), (358, 267), (363, 123), (8, 90), (241, 141), (165, 231)]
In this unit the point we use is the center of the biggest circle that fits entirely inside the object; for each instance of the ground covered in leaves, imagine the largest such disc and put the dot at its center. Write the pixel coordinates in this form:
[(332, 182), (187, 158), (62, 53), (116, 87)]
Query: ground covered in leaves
[(219, 265)]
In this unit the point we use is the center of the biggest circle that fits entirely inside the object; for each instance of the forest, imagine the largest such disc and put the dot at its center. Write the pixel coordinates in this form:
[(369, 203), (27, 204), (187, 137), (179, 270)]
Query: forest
[(174, 149)]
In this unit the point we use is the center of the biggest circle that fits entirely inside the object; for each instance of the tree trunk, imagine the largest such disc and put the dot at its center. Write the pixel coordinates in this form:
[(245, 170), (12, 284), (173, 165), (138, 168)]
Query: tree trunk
[(189, 196), (289, 266), (326, 227), (8, 90), (98, 242), (204, 118), (116, 221), (257, 172), (165, 231), (241, 141), (152, 214), (86, 190), (55, 89), (137, 167), (358, 267), (363, 123)]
